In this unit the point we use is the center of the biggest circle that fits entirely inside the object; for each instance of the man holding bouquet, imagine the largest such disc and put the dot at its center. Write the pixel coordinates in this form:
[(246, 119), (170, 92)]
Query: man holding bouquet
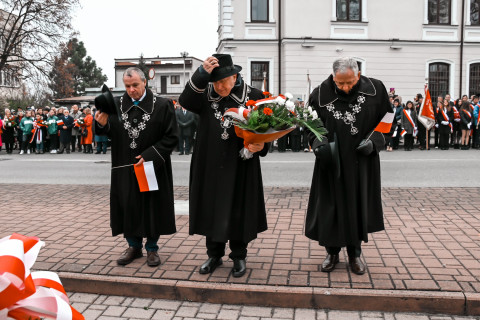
[(345, 198), (226, 191)]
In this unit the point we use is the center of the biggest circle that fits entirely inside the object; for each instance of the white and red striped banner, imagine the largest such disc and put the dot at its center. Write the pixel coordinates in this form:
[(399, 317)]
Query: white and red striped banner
[(25, 295), (147, 181), (385, 124)]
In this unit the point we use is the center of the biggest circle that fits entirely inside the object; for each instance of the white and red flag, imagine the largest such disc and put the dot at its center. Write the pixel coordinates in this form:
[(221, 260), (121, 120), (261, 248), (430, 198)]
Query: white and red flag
[(385, 124), (147, 181)]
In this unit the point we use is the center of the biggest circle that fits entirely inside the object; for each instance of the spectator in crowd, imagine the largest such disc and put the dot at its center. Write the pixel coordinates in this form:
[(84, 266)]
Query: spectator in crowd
[(39, 133), (26, 126), (52, 131), (409, 124), (457, 131), (186, 123), (76, 138), (66, 131), (435, 110), (9, 131), (443, 119), (18, 119), (398, 110), (87, 139), (475, 134), (465, 123)]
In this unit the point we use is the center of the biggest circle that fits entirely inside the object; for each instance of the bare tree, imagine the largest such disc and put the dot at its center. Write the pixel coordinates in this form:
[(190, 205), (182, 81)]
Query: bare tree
[(30, 34)]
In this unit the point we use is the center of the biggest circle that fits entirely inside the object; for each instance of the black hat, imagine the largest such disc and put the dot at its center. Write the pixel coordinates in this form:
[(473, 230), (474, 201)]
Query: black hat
[(225, 69), (106, 103)]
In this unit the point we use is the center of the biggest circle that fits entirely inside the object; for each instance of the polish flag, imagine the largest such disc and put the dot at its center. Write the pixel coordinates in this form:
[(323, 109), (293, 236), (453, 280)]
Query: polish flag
[(386, 123), (60, 123), (403, 133), (147, 181)]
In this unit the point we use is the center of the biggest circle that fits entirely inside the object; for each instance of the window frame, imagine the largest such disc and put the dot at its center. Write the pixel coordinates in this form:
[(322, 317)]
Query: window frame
[(360, 19), (474, 64), (266, 69), (174, 76), (470, 14), (267, 15), (437, 23), (448, 80)]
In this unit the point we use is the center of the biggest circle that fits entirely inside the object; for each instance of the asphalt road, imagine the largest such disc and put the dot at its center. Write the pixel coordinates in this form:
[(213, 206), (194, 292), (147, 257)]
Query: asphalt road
[(434, 168)]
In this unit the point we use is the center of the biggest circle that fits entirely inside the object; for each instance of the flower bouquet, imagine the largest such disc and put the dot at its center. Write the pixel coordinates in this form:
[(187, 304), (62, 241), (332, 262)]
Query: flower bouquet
[(271, 118), (10, 122), (79, 122)]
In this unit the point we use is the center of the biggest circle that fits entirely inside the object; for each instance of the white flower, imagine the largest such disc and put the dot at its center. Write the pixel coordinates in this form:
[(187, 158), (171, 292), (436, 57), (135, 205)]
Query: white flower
[(314, 115), (290, 105), (310, 110), (280, 101), (288, 95)]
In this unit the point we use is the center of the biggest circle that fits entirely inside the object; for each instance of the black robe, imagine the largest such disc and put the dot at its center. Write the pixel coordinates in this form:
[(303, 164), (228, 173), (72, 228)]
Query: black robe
[(226, 192), (135, 213), (66, 134), (345, 202)]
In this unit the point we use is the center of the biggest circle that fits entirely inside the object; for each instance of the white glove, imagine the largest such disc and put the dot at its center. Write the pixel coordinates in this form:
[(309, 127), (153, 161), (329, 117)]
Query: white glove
[(457, 120), (399, 122), (415, 128), (445, 123), (436, 125), (469, 125)]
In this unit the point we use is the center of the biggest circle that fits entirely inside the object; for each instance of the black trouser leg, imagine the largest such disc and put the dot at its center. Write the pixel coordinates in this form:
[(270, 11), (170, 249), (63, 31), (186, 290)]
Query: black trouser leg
[(217, 249), (352, 250)]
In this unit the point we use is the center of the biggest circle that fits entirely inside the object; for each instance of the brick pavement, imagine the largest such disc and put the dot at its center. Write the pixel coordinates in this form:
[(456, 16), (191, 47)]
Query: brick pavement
[(430, 244), (103, 307)]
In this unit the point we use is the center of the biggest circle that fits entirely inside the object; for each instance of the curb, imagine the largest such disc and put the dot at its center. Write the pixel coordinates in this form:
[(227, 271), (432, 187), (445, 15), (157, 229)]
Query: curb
[(454, 303)]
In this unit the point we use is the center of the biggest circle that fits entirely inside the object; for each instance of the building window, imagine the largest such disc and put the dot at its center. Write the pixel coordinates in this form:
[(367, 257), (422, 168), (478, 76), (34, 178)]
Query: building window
[(175, 79), (259, 10), (474, 12), (260, 75), (474, 79), (439, 80), (349, 10), (439, 11)]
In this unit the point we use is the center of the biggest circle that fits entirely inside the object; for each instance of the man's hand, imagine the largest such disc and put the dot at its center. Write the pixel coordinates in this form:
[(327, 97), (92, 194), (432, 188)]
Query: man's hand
[(139, 163), (101, 118), (210, 63), (255, 147), (64, 127)]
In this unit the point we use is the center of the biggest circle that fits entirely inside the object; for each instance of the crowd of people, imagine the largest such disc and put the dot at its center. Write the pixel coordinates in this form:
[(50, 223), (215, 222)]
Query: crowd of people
[(456, 124), (54, 130)]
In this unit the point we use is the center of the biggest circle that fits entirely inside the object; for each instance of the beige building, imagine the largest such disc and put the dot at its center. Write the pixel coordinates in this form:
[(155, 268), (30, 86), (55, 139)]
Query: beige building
[(167, 74), (399, 42)]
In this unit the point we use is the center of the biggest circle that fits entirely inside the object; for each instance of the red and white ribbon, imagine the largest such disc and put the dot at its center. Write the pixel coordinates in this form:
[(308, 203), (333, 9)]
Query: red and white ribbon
[(25, 295), (445, 117)]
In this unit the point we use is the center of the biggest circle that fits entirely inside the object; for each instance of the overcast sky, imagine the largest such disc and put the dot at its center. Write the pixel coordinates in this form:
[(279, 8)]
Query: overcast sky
[(124, 29)]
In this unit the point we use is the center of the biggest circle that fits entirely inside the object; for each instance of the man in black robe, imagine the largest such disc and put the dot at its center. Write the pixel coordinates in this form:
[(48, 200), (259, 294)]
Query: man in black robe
[(345, 198), (147, 131), (226, 192)]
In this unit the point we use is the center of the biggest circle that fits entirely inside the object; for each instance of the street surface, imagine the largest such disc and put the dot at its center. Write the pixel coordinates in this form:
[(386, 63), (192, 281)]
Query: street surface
[(434, 168)]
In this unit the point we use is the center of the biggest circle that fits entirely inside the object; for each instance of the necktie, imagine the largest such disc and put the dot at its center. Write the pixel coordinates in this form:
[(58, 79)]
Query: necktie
[(135, 102), (184, 112)]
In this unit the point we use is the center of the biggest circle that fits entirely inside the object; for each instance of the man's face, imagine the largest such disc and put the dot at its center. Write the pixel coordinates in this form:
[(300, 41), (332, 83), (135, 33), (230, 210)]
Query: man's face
[(51, 113), (224, 87), (346, 81), (134, 85), (465, 98), (447, 97), (66, 113), (439, 99), (75, 108)]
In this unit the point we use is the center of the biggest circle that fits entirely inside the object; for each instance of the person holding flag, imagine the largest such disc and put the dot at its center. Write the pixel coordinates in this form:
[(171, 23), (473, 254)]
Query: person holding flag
[(144, 132), (426, 116), (345, 203), (409, 125)]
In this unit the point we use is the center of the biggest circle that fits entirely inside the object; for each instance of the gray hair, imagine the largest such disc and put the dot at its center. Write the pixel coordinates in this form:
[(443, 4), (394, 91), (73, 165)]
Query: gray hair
[(343, 64), (129, 73)]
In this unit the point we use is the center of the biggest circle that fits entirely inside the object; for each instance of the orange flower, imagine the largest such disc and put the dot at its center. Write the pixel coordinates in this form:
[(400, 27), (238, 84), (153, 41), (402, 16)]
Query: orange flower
[(267, 94), (268, 111), (250, 103)]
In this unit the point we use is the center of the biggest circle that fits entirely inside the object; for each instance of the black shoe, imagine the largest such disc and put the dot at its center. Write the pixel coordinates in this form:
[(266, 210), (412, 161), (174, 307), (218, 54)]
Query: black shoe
[(129, 255), (210, 265), (98, 152), (153, 259), (68, 152), (239, 268), (356, 265), (181, 154), (104, 152), (330, 262)]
